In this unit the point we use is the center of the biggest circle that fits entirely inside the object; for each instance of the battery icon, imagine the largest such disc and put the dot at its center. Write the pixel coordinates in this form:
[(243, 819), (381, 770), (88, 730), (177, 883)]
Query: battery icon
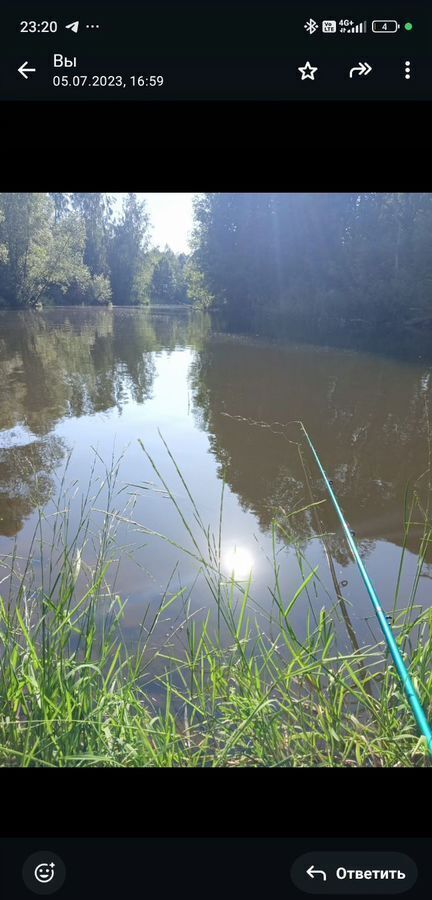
[(385, 26)]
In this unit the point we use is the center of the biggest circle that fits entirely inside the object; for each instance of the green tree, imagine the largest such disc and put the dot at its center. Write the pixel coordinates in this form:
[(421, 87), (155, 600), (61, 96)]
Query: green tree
[(96, 212), (197, 292), (163, 284), (40, 253), (334, 257), (98, 289), (168, 283), (127, 252), (61, 205)]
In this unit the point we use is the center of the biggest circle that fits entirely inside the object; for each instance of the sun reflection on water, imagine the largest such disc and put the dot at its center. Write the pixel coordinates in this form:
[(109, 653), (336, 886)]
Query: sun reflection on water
[(238, 563)]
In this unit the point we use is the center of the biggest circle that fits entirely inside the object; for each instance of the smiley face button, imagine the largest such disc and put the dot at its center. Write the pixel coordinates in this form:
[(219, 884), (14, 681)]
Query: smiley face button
[(43, 872)]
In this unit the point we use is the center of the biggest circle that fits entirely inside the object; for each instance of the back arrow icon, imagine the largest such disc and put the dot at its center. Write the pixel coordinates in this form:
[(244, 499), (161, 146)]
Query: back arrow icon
[(312, 872), (362, 69), (23, 71)]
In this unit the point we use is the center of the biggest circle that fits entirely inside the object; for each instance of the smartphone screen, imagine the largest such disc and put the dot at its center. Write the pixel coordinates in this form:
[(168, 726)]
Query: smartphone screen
[(215, 449)]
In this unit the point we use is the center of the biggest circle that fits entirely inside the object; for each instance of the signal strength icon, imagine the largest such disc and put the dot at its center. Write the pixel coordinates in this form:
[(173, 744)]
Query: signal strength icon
[(358, 29)]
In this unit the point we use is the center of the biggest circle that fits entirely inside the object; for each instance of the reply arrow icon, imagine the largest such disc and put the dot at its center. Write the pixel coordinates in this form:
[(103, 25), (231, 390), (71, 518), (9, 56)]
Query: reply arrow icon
[(312, 872), (363, 68), (23, 70)]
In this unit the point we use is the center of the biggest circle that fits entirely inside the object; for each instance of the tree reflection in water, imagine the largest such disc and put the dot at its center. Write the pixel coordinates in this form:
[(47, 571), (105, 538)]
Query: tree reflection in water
[(365, 412), (69, 363)]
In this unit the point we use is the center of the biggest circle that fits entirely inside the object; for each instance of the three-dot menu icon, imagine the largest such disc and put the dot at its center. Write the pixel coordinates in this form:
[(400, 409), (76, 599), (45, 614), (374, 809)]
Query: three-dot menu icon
[(74, 26)]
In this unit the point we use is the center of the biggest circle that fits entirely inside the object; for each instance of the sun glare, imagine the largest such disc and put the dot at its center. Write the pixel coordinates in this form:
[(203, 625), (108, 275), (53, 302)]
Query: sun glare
[(238, 563)]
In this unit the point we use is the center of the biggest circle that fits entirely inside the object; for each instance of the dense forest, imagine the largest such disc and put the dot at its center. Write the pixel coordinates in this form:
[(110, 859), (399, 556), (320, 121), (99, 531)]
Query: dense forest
[(78, 249), (345, 258)]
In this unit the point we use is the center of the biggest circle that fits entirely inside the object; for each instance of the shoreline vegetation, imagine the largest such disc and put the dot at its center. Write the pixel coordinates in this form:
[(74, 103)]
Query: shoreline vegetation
[(354, 257), (230, 683), (87, 249), (236, 687)]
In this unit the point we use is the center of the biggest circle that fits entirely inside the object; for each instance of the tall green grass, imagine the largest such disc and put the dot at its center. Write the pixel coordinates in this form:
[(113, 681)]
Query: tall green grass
[(234, 687)]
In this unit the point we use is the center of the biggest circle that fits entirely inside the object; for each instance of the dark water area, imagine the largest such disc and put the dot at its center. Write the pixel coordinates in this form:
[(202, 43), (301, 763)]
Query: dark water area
[(75, 382), (410, 340)]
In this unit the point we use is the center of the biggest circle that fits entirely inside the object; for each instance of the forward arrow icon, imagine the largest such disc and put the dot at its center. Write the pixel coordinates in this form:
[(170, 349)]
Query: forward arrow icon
[(363, 68)]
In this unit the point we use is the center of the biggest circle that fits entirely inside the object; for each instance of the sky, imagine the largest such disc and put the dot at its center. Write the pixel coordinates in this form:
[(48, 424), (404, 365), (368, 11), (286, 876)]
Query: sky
[(171, 219)]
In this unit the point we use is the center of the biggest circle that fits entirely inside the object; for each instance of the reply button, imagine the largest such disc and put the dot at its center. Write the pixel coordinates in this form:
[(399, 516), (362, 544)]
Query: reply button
[(354, 872)]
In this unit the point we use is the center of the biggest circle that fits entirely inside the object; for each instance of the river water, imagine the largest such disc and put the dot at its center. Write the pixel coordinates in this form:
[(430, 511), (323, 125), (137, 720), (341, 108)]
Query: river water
[(85, 386)]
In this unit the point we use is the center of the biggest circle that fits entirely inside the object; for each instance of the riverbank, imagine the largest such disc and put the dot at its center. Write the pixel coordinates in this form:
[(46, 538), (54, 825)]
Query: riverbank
[(229, 692), (245, 704)]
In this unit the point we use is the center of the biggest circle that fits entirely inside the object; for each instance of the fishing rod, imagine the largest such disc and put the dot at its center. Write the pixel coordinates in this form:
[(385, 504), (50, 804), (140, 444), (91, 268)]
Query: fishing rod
[(407, 684)]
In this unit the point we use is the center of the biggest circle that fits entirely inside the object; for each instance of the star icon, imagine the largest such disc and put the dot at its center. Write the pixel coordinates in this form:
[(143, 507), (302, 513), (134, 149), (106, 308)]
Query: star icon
[(308, 71)]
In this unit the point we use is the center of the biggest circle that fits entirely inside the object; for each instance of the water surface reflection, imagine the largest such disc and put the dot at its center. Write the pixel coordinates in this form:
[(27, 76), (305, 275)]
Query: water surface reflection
[(86, 380)]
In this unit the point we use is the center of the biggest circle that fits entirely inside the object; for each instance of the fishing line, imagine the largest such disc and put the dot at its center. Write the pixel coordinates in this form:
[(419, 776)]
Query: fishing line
[(407, 684), (405, 678)]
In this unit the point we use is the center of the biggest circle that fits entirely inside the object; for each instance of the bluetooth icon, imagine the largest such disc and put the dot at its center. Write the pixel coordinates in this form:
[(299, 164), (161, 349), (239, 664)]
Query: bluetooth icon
[(311, 26)]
